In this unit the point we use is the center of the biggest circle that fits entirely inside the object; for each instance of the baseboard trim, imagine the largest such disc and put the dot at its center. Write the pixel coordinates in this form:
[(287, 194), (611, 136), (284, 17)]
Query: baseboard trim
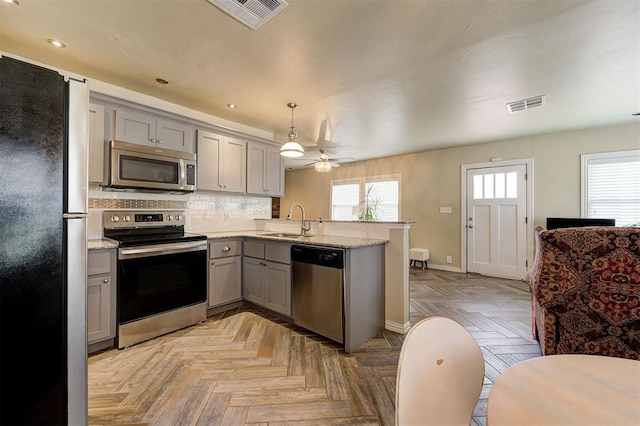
[(444, 268), (397, 327)]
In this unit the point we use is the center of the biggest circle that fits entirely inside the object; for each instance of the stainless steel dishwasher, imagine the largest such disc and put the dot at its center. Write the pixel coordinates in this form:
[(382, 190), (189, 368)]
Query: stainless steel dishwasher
[(318, 290)]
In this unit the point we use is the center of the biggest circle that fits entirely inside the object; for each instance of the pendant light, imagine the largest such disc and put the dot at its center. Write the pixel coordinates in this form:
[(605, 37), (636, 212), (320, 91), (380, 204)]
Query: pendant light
[(292, 148)]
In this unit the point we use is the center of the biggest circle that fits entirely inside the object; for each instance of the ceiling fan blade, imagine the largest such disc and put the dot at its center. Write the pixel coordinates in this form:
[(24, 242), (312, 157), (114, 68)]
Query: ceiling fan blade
[(334, 164), (302, 159), (341, 160)]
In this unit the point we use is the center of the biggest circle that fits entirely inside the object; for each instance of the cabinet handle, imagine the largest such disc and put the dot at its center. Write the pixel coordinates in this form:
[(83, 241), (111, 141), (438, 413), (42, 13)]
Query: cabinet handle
[(106, 280), (158, 141), (153, 140), (226, 248), (213, 263)]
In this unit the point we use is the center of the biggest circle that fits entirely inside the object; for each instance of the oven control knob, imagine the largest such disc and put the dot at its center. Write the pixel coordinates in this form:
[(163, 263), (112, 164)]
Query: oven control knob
[(169, 217), (127, 218), (177, 217), (115, 218)]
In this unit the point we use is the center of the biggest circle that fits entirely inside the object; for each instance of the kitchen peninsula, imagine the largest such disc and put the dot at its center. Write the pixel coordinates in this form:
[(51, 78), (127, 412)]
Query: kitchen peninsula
[(363, 280)]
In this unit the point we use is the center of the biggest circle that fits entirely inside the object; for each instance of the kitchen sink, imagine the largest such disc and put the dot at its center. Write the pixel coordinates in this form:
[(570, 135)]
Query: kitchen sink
[(285, 235)]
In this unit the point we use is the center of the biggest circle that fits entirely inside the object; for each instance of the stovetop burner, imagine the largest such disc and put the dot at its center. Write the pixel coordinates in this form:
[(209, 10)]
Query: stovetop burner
[(136, 228)]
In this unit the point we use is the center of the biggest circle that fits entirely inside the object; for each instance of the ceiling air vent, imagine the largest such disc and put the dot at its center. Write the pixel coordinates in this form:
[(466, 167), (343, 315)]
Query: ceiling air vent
[(516, 106), (252, 13)]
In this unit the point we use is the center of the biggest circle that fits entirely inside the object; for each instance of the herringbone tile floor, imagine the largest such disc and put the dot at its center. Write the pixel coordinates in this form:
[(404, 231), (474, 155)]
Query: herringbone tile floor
[(246, 367)]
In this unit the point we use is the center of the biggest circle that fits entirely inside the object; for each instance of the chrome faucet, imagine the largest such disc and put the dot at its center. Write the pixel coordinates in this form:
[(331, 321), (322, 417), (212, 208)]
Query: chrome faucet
[(303, 228)]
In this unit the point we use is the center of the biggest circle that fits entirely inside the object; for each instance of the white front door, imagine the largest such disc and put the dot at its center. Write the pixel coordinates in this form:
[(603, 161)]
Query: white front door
[(496, 221)]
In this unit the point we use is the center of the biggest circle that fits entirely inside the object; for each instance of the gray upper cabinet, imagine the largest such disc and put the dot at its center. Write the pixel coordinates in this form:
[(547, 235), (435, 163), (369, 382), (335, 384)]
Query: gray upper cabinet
[(225, 163), (222, 163), (265, 170), (97, 138), (151, 130)]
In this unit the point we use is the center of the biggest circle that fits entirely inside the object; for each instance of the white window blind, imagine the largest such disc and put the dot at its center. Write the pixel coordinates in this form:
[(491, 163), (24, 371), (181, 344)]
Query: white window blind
[(384, 196), (611, 186), (379, 196), (344, 197)]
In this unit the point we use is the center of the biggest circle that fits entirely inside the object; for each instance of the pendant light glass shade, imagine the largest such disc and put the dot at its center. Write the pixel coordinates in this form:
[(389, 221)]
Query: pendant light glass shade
[(292, 149), (322, 166)]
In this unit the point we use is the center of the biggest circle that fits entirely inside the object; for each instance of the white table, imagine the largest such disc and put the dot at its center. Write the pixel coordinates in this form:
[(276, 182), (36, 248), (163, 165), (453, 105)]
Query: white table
[(567, 390)]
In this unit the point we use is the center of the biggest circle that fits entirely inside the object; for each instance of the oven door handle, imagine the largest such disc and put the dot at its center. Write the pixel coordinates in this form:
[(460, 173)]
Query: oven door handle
[(160, 249)]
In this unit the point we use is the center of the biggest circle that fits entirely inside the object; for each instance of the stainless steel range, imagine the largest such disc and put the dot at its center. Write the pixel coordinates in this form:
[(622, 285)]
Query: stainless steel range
[(162, 273)]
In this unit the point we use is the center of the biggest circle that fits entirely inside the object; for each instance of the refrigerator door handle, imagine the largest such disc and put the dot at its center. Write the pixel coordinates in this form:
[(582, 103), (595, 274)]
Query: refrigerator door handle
[(77, 179), (77, 320)]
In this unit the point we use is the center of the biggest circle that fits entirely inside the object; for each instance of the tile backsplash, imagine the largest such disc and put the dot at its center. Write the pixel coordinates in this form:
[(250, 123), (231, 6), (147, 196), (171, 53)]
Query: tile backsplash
[(204, 212)]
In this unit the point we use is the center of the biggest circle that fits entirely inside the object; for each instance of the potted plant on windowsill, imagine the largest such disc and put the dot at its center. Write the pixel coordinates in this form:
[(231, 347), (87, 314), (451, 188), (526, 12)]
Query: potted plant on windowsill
[(369, 208)]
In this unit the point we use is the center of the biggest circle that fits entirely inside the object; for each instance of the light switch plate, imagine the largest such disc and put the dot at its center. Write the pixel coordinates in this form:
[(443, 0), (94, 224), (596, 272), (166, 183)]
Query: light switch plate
[(445, 209)]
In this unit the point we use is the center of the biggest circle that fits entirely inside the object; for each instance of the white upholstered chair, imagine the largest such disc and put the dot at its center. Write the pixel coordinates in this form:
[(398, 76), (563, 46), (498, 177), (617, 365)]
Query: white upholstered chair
[(440, 374)]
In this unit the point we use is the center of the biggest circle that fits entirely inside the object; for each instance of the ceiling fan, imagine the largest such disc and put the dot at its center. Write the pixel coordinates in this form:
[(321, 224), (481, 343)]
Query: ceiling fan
[(324, 164)]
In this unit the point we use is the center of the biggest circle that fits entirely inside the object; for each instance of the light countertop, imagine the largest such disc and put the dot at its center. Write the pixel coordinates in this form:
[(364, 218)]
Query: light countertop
[(316, 240), (101, 244)]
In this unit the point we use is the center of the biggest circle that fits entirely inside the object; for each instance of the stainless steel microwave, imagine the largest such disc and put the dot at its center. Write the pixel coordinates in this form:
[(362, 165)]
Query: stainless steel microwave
[(137, 167)]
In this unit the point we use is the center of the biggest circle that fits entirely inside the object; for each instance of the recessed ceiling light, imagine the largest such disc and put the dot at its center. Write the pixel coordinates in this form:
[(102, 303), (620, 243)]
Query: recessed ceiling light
[(162, 81), (56, 43), (13, 2), (232, 106)]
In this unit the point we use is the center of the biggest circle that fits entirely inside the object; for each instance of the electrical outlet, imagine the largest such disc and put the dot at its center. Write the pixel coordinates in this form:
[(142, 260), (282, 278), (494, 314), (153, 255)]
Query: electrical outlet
[(449, 259)]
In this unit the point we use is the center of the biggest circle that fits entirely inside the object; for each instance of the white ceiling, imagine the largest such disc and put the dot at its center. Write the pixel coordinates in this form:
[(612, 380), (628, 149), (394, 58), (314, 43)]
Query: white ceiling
[(372, 77)]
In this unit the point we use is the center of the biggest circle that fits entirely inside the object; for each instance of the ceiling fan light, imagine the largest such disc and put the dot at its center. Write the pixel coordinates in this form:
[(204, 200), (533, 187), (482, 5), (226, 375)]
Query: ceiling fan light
[(322, 166), (291, 150)]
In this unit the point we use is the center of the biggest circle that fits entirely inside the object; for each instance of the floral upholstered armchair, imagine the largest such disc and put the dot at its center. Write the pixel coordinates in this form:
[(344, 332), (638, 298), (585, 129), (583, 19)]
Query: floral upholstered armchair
[(585, 285)]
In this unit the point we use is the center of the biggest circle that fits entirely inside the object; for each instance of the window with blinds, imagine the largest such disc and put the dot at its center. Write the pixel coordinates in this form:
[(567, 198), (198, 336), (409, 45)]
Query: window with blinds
[(383, 195), (345, 198), (611, 186), (370, 198)]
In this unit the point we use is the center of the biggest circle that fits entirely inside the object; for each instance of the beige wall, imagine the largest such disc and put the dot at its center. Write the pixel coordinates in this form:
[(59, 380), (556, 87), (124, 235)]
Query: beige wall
[(431, 179)]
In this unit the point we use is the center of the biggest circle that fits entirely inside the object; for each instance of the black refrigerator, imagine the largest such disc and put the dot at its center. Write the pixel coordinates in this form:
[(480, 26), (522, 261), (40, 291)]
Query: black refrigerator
[(43, 246)]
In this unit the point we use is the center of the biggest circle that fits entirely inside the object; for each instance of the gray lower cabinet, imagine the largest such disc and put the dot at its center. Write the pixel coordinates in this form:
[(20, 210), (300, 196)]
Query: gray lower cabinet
[(101, 296), (364, 295), (225, 272), (277, 287), (267, 275), (253, 282)]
